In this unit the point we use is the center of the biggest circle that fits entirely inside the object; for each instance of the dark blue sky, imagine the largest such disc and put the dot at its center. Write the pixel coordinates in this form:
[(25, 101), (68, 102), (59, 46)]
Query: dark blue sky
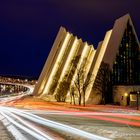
[(28, 28)]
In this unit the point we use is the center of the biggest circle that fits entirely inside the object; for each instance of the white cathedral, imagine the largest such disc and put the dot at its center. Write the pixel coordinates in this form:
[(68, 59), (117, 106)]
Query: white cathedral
[(119, 51)]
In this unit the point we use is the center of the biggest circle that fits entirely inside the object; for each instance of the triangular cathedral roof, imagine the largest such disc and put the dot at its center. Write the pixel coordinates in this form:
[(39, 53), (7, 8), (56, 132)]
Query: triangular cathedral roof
[(116, 37)]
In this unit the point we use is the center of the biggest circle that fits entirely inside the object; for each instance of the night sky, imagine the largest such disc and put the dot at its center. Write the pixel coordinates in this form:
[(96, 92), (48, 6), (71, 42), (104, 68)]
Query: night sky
[(29, 27)]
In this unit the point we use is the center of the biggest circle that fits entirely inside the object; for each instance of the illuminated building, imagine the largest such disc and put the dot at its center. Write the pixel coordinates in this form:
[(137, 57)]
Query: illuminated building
[(120, 50), (125, 48), (123, 57), (59, 63)]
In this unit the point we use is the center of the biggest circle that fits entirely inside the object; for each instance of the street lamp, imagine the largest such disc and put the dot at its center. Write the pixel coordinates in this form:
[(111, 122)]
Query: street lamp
[(125, 94)]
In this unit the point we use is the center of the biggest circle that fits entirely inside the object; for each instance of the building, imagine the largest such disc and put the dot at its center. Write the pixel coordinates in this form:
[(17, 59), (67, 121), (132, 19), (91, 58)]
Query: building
[(118, 54), (58, 66), (124, 60)]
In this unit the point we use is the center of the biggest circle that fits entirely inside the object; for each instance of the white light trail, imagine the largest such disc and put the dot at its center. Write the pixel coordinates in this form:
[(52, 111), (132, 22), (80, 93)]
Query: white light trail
[(32, 133), (82, 113), (55, 125), (29, 126)]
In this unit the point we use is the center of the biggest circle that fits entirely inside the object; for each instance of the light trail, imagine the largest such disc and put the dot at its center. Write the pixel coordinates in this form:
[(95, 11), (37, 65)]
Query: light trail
[(114, 120), (25, 123), (121, 115), (27, 130), (103, 116), (53, 124)]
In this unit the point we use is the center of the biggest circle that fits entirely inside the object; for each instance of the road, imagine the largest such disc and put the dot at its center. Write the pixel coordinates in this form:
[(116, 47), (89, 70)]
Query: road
[(27, 126), (122, 126), (54, 121), (19, 95), (110, 123), (70, 124)]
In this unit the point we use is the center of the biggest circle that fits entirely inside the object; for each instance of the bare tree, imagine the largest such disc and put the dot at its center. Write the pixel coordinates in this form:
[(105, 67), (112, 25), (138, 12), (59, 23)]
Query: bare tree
[(86, 84), (82, 80), (103, 83), (62, 90), (78, 83), (72, 95)]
